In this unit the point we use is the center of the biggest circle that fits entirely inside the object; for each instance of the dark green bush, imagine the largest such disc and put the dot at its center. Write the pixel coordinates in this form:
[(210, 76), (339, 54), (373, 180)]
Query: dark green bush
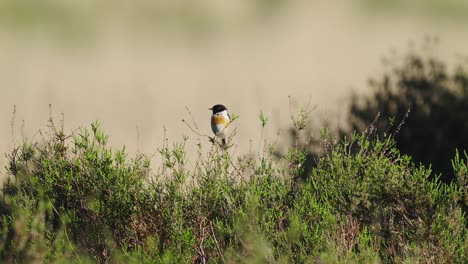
[(436, 95)]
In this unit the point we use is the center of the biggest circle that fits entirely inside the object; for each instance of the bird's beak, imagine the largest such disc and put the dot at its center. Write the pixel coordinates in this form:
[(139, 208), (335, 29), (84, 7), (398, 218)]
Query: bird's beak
[(210, 108)]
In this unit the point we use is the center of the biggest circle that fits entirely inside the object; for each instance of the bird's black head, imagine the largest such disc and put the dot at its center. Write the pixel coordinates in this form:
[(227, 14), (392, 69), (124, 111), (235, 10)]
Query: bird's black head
[(218, 108)]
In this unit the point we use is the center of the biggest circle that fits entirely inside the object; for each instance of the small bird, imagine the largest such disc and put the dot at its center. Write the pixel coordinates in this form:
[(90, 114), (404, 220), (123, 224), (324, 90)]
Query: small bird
[(220, 120)]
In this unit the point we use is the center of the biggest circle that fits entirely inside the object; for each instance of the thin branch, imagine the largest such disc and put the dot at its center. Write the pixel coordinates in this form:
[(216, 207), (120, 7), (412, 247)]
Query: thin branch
[(191, 117), (194, 131), (216, 243), (138, 139)]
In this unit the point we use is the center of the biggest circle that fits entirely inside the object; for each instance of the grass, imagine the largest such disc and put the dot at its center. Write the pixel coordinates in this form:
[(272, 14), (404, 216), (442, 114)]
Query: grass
[(71, 198)]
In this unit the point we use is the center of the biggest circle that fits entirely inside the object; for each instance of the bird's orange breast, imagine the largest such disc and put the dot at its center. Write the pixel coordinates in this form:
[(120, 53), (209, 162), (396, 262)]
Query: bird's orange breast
[(219, 120)]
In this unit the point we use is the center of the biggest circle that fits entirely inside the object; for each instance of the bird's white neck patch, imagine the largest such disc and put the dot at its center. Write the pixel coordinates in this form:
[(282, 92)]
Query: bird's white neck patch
[(223, 113)]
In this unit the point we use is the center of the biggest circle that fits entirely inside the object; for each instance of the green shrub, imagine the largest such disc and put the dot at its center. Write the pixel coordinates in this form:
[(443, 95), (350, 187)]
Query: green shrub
[(71, 198), (435, 92)]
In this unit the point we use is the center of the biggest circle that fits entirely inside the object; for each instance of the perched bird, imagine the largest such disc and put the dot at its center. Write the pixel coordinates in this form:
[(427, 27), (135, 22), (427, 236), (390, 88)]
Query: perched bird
[(220, 120)]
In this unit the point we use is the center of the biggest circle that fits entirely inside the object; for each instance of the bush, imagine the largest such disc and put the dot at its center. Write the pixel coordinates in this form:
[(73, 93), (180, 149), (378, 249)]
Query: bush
[(71, 198), (435, 95)]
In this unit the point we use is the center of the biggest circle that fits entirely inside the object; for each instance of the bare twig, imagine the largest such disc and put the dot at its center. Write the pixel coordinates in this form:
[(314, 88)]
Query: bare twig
[(191, 117), (402, 122), (138, 139), (216, 242), (194, 131), (12, 124)]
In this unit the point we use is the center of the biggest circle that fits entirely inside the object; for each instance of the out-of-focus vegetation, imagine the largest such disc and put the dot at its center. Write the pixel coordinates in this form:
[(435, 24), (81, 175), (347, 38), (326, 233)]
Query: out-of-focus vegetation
[(436, 96), (71, 198), (433, 9), (86, 18)]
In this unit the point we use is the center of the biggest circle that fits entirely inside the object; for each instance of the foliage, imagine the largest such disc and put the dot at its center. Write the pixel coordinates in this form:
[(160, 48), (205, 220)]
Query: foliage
[(71, 198), (435, 95)]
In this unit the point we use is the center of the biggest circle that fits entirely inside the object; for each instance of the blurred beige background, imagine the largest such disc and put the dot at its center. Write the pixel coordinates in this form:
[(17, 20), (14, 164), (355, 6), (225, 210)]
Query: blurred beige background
[(135, 64)]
